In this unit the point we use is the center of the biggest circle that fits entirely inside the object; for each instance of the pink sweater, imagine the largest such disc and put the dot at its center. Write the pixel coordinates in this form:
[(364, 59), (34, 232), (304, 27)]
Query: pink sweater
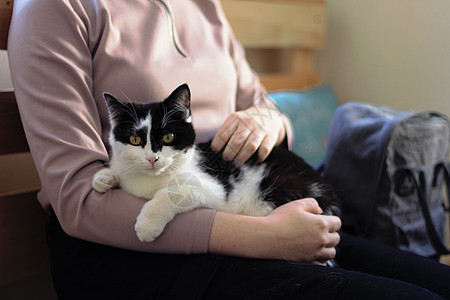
[(64, 54)]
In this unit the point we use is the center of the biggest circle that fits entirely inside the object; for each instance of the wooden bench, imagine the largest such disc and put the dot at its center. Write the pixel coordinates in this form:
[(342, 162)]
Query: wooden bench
[(24, 262), (281, 38)]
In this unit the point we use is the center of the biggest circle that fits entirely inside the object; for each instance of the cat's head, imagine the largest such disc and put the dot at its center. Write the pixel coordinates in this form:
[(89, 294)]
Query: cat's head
[(151, 138)]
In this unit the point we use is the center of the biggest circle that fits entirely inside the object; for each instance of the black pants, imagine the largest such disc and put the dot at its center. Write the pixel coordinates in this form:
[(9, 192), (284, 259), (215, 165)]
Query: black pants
[(84, 270)]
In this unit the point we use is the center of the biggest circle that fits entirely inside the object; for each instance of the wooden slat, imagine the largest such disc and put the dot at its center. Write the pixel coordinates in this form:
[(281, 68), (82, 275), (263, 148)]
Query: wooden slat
[(278, 81), (293, 60), (17, 174), (6, 7), (277, 24), (302, 61)]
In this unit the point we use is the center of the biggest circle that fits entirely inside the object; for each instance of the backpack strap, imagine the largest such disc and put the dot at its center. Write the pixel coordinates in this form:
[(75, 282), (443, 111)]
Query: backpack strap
[(443, 167), (417, 176)]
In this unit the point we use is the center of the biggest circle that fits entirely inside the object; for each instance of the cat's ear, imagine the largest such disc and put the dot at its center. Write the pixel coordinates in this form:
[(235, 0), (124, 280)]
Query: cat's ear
[(181, 95), (114, 105)]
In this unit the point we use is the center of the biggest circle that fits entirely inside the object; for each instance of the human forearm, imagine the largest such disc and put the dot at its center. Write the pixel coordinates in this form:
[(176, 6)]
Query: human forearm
[(236, 235), (110, 219), (295, 231)]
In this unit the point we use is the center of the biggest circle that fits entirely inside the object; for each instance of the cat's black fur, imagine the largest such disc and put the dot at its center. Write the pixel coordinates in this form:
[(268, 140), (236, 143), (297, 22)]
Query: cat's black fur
[(287, 177)]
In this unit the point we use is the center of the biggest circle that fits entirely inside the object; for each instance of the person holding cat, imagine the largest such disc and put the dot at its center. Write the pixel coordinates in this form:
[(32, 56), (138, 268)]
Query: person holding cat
[(65, 54)]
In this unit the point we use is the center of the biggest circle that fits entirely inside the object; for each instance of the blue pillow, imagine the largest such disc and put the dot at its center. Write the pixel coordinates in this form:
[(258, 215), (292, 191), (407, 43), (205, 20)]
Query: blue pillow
[(310, 113)]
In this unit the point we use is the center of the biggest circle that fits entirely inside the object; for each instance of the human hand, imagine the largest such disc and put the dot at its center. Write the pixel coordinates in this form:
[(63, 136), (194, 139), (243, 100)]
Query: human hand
[(303, 233), (294, 231), (245, 132)]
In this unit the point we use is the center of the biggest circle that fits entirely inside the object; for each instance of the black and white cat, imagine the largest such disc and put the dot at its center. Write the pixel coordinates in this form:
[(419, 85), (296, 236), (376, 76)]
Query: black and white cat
[(154, 157)]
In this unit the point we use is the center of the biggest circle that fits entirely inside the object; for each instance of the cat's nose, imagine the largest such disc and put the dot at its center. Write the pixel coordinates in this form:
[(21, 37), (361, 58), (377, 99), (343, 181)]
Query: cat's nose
[(153, 159)]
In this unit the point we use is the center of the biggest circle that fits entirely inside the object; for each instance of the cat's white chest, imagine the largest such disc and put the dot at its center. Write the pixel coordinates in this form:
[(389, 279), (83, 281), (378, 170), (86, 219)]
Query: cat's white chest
[(144, 186)]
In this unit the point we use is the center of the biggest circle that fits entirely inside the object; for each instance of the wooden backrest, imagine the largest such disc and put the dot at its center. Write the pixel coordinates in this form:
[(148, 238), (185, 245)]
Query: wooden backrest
[(281, 38), (24, 263), (17, 172), (5, 19)]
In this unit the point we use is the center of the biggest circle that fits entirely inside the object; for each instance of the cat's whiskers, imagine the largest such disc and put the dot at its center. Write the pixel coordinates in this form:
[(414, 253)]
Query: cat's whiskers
[(171, 121), (126, 97), (132, 106), (172, 167), (168, 115), (124, 169), (128, 107), (130, 122), (132, 111)]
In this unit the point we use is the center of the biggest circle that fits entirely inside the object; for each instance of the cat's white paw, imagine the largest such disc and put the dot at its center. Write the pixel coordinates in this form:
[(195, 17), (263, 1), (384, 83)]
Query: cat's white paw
[(104, 180), (146, 229)]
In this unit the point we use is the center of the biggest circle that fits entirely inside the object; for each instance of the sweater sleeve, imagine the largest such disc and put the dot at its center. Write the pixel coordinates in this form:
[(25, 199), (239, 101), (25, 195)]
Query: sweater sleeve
[(50, 52)]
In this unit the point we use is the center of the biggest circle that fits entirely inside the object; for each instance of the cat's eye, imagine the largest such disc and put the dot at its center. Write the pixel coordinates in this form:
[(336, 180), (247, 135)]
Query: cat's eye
[(135, 140), (168, 138)]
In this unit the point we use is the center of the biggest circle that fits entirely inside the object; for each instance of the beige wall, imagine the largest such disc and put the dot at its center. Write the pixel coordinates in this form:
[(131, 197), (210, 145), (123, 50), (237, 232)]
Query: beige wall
[(390, 52)]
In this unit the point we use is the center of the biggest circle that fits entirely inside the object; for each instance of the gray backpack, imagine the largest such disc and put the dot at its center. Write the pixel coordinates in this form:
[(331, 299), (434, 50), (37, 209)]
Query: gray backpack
[(389, 168)]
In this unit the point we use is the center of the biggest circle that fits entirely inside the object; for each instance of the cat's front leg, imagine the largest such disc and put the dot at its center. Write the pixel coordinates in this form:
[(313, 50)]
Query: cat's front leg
[(104, 180), (154, 216)]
